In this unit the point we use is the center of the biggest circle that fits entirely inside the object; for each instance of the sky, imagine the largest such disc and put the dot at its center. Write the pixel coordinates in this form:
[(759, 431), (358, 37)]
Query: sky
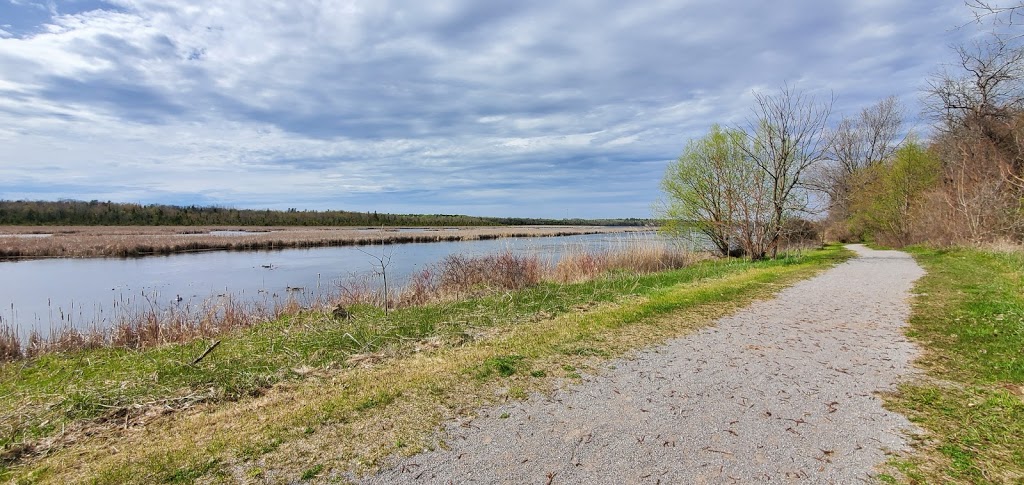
[(561, 109)]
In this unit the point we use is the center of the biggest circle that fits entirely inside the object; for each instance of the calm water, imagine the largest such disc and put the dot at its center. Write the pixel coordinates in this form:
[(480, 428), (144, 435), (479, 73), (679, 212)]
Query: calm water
[(47, 294)]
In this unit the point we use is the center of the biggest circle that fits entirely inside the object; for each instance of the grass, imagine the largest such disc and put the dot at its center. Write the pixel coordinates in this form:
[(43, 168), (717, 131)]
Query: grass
[(136, 241), (969, 318), (280, 393)]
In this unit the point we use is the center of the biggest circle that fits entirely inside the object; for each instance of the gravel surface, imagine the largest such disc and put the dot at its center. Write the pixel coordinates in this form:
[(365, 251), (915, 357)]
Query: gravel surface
[(781, 391)]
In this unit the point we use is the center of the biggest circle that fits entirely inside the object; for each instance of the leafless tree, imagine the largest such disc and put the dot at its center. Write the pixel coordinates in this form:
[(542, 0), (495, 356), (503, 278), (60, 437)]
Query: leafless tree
[(787, 138), (987, 85), (987, 11), (381, 264), (858, 143), (874, 137), (982, 105)]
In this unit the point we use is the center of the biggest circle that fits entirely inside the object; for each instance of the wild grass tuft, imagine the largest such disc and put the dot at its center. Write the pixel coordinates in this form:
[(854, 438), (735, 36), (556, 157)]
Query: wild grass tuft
[(10, 344)]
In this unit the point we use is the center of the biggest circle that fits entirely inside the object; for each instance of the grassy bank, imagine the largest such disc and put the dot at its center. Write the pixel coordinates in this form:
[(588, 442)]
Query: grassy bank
[(969, 318), (454, 278), (312, 396)]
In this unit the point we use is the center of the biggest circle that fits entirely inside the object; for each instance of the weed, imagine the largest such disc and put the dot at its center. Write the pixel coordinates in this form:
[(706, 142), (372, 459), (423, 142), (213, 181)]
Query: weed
[(504, 365), (380, 399), (312, 473)]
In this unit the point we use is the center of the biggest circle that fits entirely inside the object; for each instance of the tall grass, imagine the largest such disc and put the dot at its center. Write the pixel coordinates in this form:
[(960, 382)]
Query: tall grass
[(10, 344), (639, 256), (455, 277)]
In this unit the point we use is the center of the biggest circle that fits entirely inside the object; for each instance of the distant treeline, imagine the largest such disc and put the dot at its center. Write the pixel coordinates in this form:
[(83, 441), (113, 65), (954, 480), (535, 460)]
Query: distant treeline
[(96, 213)]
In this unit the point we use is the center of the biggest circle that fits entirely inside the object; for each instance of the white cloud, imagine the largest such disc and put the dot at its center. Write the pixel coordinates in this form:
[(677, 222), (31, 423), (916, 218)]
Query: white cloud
[(331, 104)]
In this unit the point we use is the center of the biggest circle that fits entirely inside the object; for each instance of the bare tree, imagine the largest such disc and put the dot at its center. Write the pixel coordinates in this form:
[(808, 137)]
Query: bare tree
[(998, 15), (858, 143), (381, 264), (982, 104), (787, 138), (988, 86)]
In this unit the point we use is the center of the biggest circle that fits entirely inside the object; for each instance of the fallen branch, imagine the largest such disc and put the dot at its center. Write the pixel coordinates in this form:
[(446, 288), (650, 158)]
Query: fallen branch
[(208, 350)]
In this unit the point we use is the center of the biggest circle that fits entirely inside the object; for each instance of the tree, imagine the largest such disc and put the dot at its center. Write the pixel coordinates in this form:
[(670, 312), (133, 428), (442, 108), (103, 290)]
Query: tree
[(979, 105), (716, 190), (702, 187), (890, 197), (998, 15), (787, 137), (986, 87), (858, 143)]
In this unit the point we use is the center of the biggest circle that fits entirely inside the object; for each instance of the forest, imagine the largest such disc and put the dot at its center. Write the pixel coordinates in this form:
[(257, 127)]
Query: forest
[(96, 213)]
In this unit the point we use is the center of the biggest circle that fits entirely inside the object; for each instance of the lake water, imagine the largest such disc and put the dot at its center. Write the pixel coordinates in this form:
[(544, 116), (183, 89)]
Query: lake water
[(47, 294)]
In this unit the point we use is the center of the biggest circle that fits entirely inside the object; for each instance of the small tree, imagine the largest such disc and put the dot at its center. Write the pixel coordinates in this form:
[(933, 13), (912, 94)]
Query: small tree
[(787, 138), (715, 190), (888, 203), (381, 264), (702, 188)]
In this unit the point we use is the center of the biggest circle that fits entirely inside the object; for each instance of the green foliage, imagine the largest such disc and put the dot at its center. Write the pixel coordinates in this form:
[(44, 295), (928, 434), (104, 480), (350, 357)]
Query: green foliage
[(504, 365), (312, 472), (885, 208), (707, 187)]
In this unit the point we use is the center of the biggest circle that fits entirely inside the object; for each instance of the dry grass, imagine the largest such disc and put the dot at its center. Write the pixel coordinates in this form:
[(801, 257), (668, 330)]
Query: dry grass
[(134, 241), (454, 278), (640, 256), (1002, 245), (146, 327), (10, 345)]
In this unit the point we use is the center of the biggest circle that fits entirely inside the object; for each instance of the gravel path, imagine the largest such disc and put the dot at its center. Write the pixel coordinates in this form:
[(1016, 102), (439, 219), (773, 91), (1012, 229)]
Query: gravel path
[(781, 391)]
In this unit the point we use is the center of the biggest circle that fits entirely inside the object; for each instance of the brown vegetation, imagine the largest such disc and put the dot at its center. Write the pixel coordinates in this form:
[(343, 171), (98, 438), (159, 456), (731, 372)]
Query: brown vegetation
[(966, 185), (26, 242)]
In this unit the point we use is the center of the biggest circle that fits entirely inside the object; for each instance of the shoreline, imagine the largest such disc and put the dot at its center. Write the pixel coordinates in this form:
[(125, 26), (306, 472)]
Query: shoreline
[(24, 243), (363, 384)]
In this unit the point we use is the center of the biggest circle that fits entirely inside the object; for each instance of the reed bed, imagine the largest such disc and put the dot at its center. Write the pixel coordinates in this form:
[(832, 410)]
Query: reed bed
[(454, 278), (23, 242)]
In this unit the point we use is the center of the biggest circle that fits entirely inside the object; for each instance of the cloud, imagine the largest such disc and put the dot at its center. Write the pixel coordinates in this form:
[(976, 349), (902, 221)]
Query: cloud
[(522, 108)]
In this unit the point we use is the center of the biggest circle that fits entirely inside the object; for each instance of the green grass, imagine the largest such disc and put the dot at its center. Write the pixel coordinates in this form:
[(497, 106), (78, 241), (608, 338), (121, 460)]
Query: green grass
[(515, 340), (311, 473), (969, 317)]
